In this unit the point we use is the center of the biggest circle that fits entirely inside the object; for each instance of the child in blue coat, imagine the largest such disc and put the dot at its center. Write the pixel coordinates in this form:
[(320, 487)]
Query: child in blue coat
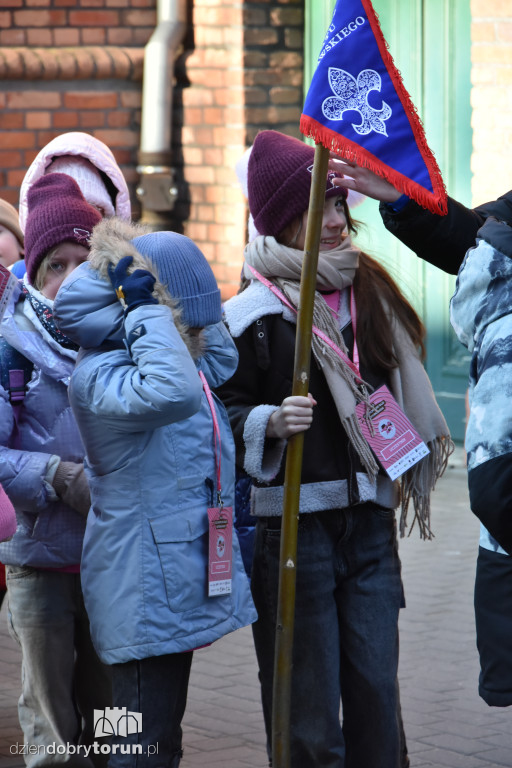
[(159, 454)]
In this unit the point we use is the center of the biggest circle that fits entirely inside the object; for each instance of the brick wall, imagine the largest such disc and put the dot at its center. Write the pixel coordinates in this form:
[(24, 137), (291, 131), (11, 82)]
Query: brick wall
[(242, 74), (70, 66), (77, 65), (491, 98)]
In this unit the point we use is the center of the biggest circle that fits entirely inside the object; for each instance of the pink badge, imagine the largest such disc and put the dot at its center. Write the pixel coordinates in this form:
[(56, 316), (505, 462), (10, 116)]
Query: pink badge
[(393, 439), (220, 550)]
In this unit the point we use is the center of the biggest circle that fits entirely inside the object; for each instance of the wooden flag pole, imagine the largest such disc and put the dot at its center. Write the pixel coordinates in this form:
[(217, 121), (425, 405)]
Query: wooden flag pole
[(293, 469)]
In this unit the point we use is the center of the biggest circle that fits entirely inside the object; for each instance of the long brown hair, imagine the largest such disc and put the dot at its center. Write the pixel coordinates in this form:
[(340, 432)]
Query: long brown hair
[(377, 295)]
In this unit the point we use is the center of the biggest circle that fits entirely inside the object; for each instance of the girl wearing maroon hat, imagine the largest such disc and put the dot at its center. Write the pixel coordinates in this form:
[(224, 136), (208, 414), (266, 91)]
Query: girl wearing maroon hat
[(349, 588), (41, 470)]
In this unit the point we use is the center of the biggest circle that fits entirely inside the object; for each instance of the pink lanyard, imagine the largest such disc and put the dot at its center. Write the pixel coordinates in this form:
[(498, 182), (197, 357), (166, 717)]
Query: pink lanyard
[(354, 365), (216, 436)]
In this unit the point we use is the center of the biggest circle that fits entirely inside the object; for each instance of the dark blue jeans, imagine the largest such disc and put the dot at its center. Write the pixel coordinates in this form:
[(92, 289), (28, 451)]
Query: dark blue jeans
[(156, 687), (345, 651)]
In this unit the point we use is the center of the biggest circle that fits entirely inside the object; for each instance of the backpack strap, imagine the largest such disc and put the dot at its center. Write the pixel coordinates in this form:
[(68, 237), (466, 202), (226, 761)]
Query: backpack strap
[(15, 373)]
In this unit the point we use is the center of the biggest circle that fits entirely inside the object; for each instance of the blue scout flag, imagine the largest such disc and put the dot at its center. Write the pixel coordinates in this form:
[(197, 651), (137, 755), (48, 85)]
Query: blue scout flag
[(358, 107)]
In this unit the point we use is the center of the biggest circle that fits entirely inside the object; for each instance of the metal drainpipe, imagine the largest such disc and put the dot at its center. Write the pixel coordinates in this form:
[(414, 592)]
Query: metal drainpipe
[(156, 190)]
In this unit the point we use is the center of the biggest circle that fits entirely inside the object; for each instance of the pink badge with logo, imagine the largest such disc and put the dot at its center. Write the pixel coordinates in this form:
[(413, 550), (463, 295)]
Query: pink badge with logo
[(392, 437), (220, 550)]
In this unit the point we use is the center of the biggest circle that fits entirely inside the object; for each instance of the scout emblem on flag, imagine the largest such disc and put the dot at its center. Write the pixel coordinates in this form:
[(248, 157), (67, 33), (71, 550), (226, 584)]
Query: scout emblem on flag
[(358, 107)]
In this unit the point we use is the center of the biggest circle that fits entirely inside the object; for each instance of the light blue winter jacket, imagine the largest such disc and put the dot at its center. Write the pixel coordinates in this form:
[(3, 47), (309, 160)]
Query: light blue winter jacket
[(148, 432), (49, 533)]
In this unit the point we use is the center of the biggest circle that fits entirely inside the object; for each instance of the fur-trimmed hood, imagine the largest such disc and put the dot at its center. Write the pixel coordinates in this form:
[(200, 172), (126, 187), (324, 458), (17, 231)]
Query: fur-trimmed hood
[(86, 307)]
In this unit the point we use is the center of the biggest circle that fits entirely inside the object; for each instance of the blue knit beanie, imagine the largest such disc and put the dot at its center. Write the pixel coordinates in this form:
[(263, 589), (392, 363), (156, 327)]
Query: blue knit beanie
[(184, 270)]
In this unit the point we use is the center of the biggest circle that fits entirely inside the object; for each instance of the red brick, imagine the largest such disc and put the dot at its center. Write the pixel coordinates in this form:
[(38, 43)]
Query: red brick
[(67, 36), (90, 100), (12, 120), (202, 213), (18, 140), (34, 100), (141, 36), (38, 120), (119, 36), (261, 37), (130, 98), (91, 118), (214, 156), (118, 119), (285, 95), (93, 36), (11, 196), (94, 18), (199, 174), (255, 17), (14, 178), (118, 138), (196, 231), (44, 137), (10, 159), (291, 17), (139, 18), (193, 156), (40, 37), (46, 19), (65, 119), (213, 116), (5, 19), (12, 37)]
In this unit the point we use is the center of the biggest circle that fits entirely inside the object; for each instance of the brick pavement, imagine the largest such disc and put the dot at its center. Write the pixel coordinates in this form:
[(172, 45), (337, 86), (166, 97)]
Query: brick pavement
[(447, 725)]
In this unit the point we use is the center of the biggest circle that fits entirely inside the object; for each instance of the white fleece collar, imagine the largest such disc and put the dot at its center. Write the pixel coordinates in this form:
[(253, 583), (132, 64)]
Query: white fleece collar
[(256, 301)]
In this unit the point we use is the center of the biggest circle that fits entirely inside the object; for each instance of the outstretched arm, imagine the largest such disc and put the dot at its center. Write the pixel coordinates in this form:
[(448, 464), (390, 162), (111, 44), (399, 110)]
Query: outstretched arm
[(441, 240)]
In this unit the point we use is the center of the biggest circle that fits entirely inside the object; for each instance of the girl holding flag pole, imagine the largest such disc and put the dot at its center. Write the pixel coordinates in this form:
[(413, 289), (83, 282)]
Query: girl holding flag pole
[(349, 589)]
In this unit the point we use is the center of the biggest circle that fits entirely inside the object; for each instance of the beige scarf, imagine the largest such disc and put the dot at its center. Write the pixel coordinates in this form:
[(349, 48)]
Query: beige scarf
[(408, 382)]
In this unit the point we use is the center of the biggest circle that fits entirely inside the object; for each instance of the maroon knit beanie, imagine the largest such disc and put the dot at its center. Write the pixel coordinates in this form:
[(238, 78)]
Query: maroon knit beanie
[(279, 181), (57, 212)]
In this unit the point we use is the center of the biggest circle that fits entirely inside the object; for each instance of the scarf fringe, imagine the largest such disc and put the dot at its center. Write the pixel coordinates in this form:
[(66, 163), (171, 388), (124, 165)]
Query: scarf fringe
[(418, 483)]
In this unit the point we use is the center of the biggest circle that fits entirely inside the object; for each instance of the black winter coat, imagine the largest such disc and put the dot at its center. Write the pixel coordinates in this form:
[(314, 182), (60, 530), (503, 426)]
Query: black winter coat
[(264, 376), (443, 240)]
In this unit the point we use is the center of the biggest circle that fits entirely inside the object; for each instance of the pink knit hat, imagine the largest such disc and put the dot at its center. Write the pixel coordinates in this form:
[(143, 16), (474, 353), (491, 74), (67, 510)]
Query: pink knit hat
[(279, 181), (7, 517), (57, 212)]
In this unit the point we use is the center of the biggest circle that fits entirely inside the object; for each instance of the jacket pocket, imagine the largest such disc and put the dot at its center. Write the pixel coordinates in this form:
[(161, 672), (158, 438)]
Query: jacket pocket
[(182, 545)]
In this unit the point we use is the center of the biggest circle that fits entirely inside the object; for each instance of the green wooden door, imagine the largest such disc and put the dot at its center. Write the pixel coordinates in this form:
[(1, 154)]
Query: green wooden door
[(430, 43)]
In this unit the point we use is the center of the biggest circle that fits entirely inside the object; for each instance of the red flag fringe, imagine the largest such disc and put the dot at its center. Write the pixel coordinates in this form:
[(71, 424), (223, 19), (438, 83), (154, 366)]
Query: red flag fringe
[(345, 148), (433, 201)]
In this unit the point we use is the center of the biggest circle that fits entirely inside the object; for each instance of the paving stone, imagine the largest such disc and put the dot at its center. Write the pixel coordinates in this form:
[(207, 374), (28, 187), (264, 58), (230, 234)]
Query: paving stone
[(447, 724)]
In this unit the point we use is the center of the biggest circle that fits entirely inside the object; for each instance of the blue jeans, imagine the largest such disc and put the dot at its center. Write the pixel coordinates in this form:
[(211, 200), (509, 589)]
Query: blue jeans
[(63, 680), (345, 651), (157, 688)]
